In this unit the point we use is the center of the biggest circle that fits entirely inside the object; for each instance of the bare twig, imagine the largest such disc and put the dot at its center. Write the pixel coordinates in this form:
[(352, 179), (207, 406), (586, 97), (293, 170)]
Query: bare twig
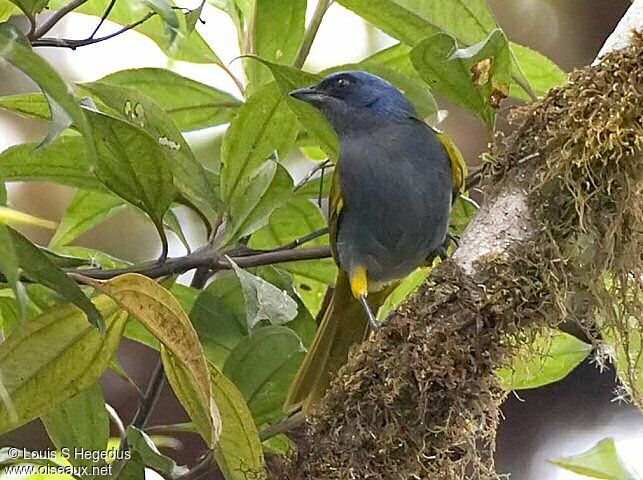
[(55, 18), (200, 469), (282, 426), (152, 394), (311, 31), (315, 169), (106, 13), (74, 44)]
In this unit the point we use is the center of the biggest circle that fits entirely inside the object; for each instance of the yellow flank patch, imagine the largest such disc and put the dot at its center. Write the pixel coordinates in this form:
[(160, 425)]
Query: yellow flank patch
[(359, 282), (458, 165)]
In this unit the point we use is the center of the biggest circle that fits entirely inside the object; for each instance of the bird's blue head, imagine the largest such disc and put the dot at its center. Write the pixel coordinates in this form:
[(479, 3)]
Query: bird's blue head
[(355, 99)]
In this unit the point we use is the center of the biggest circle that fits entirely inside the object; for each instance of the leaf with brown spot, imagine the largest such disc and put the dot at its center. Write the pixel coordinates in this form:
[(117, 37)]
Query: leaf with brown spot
[(161, 313)]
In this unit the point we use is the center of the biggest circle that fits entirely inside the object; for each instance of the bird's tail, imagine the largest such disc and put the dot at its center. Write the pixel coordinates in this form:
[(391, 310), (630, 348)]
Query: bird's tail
[(344, 323)]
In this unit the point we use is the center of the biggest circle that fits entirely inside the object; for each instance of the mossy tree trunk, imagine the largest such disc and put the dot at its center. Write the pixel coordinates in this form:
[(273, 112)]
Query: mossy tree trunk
[(560, 238)]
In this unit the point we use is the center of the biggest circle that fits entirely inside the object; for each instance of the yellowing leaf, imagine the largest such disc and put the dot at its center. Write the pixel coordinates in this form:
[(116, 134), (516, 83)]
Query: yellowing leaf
[(161, 313), (206, 419), (239, 453), (53, 357)]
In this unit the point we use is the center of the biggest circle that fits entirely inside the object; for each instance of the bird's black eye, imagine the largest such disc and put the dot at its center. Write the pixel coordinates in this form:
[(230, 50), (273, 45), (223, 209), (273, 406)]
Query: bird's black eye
[(342, 83)]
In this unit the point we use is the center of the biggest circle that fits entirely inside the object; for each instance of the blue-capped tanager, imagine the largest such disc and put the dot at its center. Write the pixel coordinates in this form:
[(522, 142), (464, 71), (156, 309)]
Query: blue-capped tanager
[(390, 203)]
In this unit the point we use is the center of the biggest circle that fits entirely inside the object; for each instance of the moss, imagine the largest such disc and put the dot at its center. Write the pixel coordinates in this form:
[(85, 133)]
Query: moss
[(420, 399)]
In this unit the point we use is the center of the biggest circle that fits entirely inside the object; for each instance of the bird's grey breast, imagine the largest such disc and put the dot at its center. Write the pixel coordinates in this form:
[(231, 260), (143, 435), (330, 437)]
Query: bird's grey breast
[(396, 185)]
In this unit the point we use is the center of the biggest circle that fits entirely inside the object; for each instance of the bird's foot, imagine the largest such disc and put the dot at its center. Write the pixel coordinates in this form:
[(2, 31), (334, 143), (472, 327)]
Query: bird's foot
[(375, 323)]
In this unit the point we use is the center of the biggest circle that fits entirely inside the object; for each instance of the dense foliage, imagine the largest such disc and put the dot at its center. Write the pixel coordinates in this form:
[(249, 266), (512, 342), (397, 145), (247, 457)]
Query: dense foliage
[(230, 342)]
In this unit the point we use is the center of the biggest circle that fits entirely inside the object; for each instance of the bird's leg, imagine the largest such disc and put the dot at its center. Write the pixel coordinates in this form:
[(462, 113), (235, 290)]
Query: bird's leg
[(375, 323), (359, 287)]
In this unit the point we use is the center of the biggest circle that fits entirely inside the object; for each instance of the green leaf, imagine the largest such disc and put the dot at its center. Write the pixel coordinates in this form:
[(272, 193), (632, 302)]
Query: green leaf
[(29, 105), (304, 325), (65, 161), (219, 317), (550, 358), (412, 20), (405, 288), (297, 218), (171, 222), (263, 125), (192, 17), (540, 72), (290, 78), (462, 211), (80, 422), (239, 452), (139, 109), (186, 47), (601, 461), (132, 469), (265, 190), (7, 10), (169, 16), (31, 7), (86, 210), (191, 104), (397, 57), (476, 78), (279, 445), (72, 355), (14, 47), (278, 31), (161, 313), (140, 442), (98, 259), (38, 267), (264, 301), (262, 367), (10, 268), (132, 165)]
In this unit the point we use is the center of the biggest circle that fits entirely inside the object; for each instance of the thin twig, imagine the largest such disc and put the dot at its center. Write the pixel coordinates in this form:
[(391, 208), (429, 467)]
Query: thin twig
[(74, 44), (311, 31), (151, 396), (206, 259), (173, 428), (236, 81), (106, 13), (309, 175), (55, 18), (200, 469), (282, 426)]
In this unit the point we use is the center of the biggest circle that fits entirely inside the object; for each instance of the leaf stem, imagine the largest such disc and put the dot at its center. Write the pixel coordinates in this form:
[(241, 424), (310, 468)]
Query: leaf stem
[(311, 31), (525, 86)]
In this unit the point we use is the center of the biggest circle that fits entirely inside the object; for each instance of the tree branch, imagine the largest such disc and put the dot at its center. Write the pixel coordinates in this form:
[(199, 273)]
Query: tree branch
[(74, 44), (56, 17)]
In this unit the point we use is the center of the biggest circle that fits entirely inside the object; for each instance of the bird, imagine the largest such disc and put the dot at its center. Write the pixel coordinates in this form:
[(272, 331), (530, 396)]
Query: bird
[(389, 209)]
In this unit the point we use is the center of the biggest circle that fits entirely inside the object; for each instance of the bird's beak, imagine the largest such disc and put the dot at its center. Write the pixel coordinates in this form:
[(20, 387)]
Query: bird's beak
[(309, 95)]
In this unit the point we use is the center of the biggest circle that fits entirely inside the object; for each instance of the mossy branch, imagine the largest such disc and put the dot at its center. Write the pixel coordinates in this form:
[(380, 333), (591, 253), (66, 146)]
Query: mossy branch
[(560, 237)]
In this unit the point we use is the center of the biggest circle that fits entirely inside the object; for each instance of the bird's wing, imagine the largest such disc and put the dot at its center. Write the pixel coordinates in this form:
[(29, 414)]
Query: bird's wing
[(458, 165), (336, 203)]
